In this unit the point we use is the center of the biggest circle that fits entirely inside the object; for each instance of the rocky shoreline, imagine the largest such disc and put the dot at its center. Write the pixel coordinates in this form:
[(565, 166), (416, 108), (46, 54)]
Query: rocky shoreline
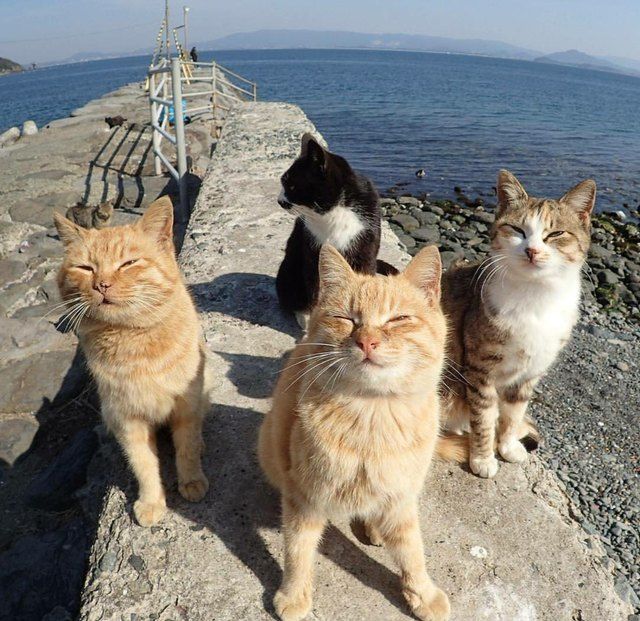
[(460, 228)]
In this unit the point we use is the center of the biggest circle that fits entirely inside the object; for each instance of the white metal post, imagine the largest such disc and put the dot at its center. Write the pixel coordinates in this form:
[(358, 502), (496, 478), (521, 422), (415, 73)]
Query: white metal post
[(176, 88), (155, 137)]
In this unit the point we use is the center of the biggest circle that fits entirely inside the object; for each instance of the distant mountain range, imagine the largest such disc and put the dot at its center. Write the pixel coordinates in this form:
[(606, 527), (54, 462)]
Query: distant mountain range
[(335, 39), (340, 39), (274, 39), (575, 58)]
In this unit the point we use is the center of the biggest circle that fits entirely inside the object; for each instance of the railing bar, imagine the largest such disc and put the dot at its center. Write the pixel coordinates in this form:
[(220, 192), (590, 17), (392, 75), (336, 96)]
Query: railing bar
[(167, 163), (154, 71), (164, 102), (192, 110), (234, 74), (237, 88), (160, 85), (167, 135)]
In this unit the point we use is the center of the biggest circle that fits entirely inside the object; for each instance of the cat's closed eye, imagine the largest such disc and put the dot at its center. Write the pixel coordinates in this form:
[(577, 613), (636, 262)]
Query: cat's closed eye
[(128, 263), (84, 268), (399, 318), (554, 234), (344, 318), (517, 230)]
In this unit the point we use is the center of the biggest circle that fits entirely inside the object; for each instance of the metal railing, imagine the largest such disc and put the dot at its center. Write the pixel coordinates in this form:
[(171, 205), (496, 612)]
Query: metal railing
[(171, 84)]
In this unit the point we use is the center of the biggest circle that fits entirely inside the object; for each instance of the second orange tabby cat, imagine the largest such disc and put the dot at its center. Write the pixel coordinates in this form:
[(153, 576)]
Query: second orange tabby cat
[(354, 423), (139, 330)]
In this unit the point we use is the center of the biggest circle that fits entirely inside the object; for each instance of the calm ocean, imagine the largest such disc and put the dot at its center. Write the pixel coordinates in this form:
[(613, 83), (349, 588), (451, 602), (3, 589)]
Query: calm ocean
[(390, 113)]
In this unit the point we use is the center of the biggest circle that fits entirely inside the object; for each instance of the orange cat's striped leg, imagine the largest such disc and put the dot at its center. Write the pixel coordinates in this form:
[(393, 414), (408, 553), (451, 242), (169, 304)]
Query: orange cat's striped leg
[(186, 429), (302, 533), (138, 441), (400, 530)]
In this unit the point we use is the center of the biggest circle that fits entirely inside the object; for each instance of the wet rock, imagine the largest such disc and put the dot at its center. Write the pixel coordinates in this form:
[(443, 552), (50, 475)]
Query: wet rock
[(409, 200), (427, 218), (607, 277)]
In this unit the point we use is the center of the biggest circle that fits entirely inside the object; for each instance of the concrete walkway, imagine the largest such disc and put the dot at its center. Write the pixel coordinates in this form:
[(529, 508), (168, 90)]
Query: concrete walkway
[(505, 549)]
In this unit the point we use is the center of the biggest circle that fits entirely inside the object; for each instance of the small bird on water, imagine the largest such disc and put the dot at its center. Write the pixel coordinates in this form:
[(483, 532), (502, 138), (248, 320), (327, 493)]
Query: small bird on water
[(421, 172)]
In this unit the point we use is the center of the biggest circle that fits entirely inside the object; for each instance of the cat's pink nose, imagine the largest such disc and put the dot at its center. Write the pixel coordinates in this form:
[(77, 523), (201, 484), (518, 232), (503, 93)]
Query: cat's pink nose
[(367, 344), (102, 286), (531, 253)]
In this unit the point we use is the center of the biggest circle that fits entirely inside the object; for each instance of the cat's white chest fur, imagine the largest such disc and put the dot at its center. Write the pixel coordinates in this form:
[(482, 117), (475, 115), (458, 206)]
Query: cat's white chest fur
[(539, 317), (338, 227)]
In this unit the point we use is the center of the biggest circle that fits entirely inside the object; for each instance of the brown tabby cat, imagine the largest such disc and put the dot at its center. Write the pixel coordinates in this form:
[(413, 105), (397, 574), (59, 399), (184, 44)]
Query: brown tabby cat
[(91, 216), (354, 422), (140, 333), (511, 315)]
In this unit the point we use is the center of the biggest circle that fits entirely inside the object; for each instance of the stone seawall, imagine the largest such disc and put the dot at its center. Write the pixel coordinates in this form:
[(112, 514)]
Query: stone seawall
[(503, 549)]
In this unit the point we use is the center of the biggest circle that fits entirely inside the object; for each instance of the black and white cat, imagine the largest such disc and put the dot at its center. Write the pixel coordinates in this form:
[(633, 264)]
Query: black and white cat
[(334, 205)]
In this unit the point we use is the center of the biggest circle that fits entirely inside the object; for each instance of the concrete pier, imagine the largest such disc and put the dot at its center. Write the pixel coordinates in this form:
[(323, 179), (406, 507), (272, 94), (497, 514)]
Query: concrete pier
[(504, 549)]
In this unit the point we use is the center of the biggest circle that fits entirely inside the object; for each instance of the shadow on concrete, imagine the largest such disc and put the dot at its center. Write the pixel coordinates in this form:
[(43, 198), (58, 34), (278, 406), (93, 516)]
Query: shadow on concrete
[(241, 504), (45, 536), (247, 296), (248, 375)]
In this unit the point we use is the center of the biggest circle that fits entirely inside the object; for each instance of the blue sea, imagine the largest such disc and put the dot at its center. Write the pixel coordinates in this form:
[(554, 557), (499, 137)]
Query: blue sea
[(461, 118)]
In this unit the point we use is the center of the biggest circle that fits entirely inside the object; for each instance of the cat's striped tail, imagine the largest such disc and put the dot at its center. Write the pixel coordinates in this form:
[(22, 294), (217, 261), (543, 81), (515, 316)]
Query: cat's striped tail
[(455, 447)]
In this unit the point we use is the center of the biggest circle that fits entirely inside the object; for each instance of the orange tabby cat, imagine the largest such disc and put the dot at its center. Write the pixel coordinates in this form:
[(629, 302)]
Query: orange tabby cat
[(354, 422), (139, 331)]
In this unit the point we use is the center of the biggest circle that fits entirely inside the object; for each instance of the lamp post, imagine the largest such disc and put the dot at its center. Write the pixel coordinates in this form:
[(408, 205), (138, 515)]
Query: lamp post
[(185, 10)]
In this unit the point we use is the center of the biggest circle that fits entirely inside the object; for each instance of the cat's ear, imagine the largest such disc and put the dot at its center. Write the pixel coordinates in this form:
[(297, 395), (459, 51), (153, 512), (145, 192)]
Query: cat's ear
[(68, 231), (581, 198), (425, 271), (312, 150), (333, 270), (510, 191), (157, 220)]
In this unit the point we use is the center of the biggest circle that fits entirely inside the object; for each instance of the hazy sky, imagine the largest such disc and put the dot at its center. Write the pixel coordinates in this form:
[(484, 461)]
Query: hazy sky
[(41, 30)]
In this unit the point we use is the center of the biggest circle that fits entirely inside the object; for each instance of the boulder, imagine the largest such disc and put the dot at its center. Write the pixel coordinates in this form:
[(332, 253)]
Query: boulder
[(29, 128), (9, 137)]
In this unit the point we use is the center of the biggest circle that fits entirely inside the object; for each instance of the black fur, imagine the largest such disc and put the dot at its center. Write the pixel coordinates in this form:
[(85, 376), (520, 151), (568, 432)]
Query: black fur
[(319, 180)]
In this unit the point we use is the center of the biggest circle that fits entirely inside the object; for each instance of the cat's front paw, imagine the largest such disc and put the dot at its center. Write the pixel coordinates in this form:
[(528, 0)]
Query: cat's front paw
[(485, 467), (194, 490), (292, 607), (149, 513), (513, 450), (373, 534), (432, 607)]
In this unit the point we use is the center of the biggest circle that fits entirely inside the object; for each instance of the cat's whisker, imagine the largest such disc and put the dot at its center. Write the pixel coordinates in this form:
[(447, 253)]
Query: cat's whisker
[(305, 371), (307, 359), (322, 371)]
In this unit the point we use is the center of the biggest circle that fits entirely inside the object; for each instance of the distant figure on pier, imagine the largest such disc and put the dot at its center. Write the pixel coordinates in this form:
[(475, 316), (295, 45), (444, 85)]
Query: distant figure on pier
[(194, 54)]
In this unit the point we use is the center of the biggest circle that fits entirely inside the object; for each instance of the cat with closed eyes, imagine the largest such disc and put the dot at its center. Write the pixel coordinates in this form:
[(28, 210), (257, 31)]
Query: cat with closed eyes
[(354, 423), (510, 316), (334, 205)]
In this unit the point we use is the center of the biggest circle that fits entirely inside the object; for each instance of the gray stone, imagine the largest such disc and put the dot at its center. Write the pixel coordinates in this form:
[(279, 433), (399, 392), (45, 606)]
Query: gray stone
[(626, 593), (427, 218), (29, 128), (407, 240), (9, 137), (427, 234), (409, 200), (482, 216), (407, 222), (51, 377), (607, 277), (16, 435)]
